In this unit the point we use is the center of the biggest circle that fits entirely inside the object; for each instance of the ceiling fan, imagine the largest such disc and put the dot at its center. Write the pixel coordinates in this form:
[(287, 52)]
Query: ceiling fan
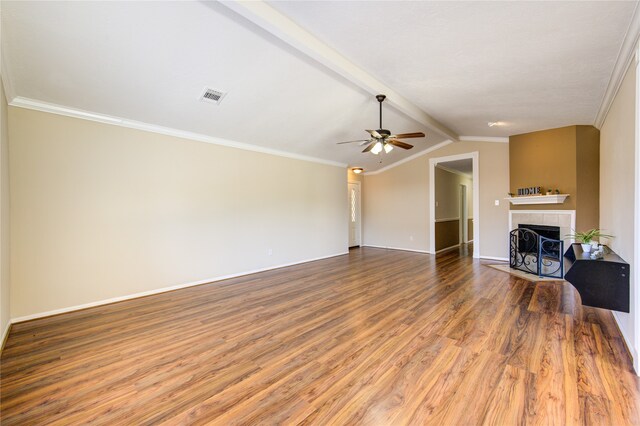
[(382, 139)]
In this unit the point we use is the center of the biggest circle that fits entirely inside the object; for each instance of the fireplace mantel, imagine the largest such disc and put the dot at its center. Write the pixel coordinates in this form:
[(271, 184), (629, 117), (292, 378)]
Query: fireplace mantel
[(538, 199)]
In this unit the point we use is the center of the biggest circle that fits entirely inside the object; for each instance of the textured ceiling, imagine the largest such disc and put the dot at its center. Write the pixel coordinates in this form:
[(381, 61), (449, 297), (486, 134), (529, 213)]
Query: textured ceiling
[(530, 65), (149, 61)]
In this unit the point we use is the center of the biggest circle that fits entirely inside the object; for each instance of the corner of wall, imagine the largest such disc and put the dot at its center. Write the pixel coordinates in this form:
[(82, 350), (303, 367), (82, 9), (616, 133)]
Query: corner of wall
[(5, 310)]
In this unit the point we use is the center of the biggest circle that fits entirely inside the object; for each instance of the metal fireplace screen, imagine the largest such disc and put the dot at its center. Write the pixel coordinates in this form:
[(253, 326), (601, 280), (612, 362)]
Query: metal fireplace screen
[(536, 254)]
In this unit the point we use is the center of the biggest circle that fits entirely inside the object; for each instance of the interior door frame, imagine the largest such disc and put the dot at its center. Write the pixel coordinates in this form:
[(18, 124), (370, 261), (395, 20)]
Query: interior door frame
[(359, 218), (464, 214), (474, 156)]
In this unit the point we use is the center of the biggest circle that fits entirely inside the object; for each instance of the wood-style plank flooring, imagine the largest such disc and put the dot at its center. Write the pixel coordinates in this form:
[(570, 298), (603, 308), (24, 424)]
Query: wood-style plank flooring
[(375, 337)]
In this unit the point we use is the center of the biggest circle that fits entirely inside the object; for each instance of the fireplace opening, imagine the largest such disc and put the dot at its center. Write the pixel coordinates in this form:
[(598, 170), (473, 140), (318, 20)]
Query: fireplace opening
[(537, 249), (552, 232)]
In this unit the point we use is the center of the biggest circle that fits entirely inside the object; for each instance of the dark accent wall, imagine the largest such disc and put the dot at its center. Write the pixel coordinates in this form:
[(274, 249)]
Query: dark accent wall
[(447, 234), (588, 177), (567, 159)]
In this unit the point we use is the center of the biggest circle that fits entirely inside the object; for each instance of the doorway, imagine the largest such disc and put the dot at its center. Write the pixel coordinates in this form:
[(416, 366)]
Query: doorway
[(454, 214), (355, 216)]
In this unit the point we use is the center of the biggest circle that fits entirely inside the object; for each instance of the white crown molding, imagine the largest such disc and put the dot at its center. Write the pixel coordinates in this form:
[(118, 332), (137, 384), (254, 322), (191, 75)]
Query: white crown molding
[(454, 171), (21, 102), (483, 139), (266, 17), (412, 157), (623, 61), (165, 289)]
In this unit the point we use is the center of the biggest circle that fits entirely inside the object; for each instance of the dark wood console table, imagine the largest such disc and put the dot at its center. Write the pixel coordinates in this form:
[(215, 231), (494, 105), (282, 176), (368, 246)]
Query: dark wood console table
[(602, 283)]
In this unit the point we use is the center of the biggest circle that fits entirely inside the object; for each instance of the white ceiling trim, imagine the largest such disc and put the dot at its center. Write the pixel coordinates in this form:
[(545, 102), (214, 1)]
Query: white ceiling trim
[(625, 55), (413, 157), (483, 139), (291, 33), (21, 102)]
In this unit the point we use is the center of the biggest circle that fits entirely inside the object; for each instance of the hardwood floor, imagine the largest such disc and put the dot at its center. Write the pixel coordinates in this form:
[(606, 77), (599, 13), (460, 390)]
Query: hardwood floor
[(374, 337)]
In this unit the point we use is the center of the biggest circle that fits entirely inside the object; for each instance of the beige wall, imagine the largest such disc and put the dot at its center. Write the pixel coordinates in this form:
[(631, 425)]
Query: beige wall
[(396, 201), (617, 171), (447, 187), (102, 211), (5, 312)]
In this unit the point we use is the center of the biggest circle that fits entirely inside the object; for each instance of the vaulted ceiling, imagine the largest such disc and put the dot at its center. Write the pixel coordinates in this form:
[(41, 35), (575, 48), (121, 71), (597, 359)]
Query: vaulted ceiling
[(448, 67)]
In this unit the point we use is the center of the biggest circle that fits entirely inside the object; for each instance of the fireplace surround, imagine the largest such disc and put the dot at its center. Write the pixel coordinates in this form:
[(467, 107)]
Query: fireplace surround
[(540, 227), (563, 219), (536, 254)]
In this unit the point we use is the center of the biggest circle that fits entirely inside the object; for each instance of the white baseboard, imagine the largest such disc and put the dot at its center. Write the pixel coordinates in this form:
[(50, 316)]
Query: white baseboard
[(501, 259), (627, 341), (5, 334), (162, 290), (397, 248)]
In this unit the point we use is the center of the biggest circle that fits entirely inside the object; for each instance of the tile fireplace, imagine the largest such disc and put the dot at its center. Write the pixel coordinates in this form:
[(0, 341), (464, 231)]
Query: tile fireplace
[(537, 240), (564, 220)]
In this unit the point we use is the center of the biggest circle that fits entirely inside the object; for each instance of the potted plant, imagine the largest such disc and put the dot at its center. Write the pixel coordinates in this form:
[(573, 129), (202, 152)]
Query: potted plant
[(586, 238)]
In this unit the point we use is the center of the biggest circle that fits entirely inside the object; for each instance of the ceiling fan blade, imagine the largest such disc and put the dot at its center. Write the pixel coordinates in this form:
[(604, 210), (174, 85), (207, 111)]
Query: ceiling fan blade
[(375, 134), (359, 140), (410, 135), (370, 146), (399, 144)]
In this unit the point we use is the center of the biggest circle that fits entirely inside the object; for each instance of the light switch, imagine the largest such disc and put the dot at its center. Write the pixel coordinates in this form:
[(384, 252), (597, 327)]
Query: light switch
[(436, 204), (497, 202)]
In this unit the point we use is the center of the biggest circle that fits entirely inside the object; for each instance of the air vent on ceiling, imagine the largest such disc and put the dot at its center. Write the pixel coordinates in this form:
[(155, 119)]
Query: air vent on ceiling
[(212, 95)]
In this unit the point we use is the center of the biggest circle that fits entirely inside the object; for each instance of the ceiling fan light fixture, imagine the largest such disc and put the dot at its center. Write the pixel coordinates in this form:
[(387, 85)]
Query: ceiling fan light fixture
[(377, 148), (383, 139), (357, 170)]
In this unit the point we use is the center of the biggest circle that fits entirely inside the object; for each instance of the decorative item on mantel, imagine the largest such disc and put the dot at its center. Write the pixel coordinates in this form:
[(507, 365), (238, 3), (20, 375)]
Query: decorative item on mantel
[(534, 195)]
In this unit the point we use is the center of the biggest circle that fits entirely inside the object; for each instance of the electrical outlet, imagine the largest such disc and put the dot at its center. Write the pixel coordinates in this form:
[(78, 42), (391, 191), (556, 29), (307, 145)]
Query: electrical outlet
[(436, 204), (497, 202), (269, 252), (410, 237)]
